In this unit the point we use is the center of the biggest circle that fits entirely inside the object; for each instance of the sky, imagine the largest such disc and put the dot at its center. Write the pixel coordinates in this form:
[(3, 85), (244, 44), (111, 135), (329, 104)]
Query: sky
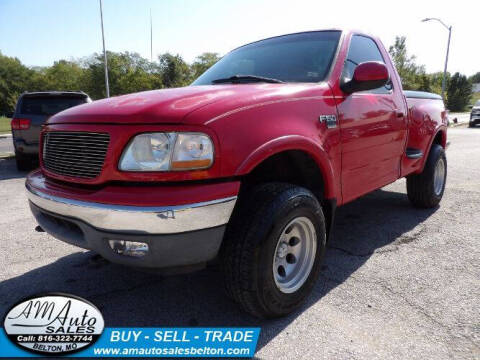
[(39, 32)]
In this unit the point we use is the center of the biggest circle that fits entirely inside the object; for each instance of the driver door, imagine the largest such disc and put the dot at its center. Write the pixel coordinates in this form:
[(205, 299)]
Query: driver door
[(372, 127)]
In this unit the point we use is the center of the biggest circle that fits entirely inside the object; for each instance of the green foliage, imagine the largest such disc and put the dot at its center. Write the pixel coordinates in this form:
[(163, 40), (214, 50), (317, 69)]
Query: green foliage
[(436, 82), (203, 62), (64, 75), (127, 73), (459, 92), (175, 72), (14, 79), (412, 75), (475, 79)]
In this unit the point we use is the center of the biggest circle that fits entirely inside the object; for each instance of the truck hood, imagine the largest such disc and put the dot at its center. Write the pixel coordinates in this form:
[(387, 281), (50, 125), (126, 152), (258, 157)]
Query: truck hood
[(171, 106)]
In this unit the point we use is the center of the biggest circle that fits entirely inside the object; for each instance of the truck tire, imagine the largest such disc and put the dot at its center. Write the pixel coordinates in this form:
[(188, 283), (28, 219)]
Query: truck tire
[(425, 190), (273, 249), (24, 163)]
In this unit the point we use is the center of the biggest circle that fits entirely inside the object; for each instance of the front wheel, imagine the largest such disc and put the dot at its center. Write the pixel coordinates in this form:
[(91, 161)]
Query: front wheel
[(273, 249), (425, 190)]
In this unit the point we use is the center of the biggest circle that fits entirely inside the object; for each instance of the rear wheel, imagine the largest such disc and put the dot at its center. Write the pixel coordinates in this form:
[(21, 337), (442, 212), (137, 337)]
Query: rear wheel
[(24, 162), (273, 249), (426, 189)]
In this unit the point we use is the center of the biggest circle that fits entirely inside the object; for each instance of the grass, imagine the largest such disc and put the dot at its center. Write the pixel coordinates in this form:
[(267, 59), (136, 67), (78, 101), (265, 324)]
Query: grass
[(4, 125)]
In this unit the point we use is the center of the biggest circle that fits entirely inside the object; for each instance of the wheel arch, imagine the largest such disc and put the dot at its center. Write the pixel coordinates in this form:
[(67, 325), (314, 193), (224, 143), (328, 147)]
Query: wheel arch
[(292, 144), (297, 164), (440, 138)]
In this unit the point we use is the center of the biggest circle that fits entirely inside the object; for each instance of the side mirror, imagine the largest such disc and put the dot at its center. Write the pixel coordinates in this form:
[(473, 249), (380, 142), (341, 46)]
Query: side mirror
[(367, 76), (9, 114)]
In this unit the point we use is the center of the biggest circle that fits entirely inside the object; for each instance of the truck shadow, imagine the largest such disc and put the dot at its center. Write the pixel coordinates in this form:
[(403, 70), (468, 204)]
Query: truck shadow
[(8, 169), (379, 222)]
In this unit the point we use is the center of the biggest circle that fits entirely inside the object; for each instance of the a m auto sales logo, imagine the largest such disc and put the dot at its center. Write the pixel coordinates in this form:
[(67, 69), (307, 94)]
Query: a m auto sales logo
[(54, 324)]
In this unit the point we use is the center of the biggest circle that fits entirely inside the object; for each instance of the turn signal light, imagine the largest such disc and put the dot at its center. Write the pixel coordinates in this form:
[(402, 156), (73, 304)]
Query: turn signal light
[(191, 164), (21, 124)]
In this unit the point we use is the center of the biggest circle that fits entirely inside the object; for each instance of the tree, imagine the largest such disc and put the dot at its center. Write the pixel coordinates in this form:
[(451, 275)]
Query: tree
[(63, 75), (425, 83), (411, 74), (127, 73), (203, 62), (436, 82), (475, 79), (14, 79), (459, 92), (175, 71), (94, 76)]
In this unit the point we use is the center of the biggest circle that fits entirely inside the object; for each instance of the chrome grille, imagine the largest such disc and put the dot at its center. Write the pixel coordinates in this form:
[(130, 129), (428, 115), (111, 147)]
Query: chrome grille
[(77, 154)]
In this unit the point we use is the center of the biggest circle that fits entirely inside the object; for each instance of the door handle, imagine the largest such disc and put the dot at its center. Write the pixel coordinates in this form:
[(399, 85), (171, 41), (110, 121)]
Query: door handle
[(399, 114)]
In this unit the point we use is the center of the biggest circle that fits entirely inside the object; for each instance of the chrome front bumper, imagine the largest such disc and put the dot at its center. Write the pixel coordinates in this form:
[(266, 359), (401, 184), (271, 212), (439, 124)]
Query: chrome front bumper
[(145, 220)]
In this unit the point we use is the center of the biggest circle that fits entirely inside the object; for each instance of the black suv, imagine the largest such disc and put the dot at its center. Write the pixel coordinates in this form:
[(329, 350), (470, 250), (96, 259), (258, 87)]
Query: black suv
[(32, 111), (475, 115)]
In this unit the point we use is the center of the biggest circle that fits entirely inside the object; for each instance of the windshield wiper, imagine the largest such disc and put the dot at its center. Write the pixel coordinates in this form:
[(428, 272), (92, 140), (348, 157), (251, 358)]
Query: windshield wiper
[(252, 78)]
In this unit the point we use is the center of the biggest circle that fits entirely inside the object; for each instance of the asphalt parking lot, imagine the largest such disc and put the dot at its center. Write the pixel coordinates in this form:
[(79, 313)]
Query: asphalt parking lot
[(397, 283)]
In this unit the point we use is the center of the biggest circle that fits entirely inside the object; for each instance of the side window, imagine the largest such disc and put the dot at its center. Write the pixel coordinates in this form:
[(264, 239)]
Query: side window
[(363, 49)]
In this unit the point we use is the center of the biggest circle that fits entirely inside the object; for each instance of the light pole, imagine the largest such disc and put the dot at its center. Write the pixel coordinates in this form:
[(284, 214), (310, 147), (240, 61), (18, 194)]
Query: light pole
[(104, 53), (151, 36), (449, 28)]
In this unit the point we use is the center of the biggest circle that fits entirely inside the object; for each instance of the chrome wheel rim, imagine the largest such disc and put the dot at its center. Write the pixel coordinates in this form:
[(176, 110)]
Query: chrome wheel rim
[(294, 254), (439, 177)]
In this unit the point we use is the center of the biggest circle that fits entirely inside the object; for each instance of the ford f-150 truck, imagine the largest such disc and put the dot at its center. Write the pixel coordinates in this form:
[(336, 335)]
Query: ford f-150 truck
[(245, 166)]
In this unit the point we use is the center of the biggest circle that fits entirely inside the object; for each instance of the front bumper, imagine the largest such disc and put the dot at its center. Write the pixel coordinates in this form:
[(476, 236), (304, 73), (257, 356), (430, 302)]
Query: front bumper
[(176, 235), (139, 219), (475, 119)]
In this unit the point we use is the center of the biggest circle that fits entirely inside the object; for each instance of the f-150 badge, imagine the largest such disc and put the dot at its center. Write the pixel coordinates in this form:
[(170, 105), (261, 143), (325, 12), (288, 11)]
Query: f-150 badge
[(330, 120)]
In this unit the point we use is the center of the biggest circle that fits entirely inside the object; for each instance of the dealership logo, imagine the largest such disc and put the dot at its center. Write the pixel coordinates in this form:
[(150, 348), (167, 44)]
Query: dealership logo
[(54, 324)]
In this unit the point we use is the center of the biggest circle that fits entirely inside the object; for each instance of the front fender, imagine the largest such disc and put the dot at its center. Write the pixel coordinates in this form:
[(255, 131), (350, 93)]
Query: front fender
[(253, 126), (293, 142)]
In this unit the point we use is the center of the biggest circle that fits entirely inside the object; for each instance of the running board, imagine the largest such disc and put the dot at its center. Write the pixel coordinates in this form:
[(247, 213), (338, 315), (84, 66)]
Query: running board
[(414, 153)]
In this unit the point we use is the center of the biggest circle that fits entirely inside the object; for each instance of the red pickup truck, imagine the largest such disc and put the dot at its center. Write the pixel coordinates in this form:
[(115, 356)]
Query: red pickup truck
[(247, 165)]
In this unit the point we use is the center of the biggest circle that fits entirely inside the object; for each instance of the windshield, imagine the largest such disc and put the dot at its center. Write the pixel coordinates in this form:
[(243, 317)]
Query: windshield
[(49, 105), (304, 57)]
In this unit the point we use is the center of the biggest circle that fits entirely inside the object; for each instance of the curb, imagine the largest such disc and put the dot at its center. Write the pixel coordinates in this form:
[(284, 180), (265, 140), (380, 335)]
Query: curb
[(5, 135), (453, 125), (7, 155)]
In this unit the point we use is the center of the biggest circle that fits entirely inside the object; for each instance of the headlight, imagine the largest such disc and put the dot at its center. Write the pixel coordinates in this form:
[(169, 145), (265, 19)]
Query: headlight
[(167, 152)]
